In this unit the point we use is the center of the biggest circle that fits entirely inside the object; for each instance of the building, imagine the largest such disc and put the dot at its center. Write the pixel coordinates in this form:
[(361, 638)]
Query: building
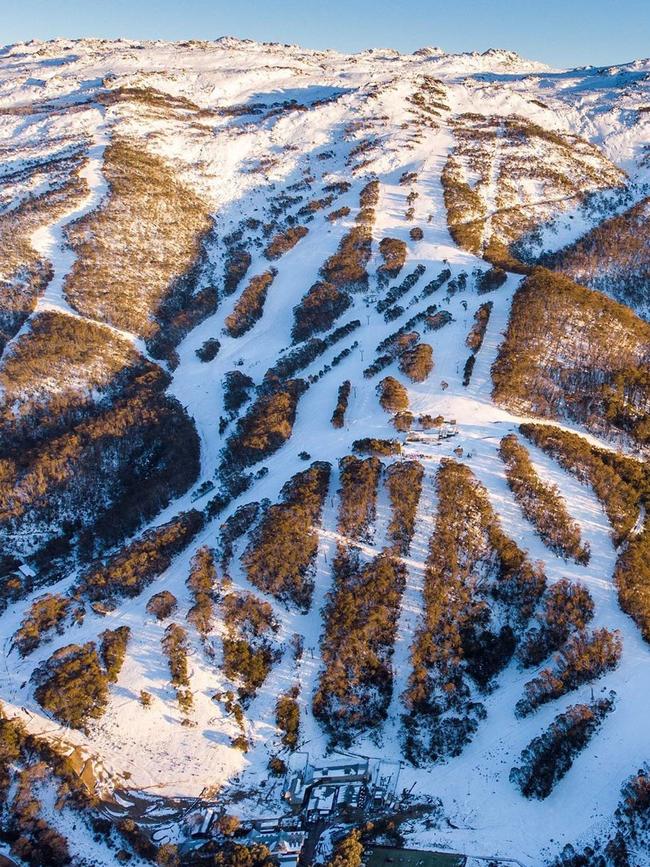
[(284, 846)]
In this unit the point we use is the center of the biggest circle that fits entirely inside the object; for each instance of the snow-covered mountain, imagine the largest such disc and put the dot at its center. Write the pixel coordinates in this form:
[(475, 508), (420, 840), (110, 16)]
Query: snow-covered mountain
[(325, 397)]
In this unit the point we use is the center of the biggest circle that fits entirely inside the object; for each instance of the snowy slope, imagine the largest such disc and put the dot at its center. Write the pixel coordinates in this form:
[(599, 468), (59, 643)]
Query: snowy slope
[(237, 163)]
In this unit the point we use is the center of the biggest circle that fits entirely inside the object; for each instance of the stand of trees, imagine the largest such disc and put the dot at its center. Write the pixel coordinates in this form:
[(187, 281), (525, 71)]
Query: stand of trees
[(542, 503), (361, 612), (480, 590), (549, 756), (283, 548)]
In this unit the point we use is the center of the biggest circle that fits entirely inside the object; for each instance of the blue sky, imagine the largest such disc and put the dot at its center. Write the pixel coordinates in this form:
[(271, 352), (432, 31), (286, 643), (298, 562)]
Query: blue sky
[(559, 32)]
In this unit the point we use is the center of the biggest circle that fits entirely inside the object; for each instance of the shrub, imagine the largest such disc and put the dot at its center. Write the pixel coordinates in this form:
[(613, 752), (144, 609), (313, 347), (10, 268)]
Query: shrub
[(393, 397), (416, 233), (490, 281), (358, 495), (284, 241), (248, 654), (72, 686), (162, 604), (583, 658), (208, 350), (237, 264), (477, 333), (549, 757), (338, 416), (318, 310), (175, 647), (542, 504), (402, 421), (250, 304), (237, 387), (47, 613), (338, 214), (112, 650), (287, 718), (283, 548), (372, 446), (417, 363), (468, 369), (201, 584), (393, 252)]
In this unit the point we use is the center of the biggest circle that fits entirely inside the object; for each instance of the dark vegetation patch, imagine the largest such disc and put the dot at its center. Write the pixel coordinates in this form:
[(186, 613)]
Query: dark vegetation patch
[(318, 310), (542, 503), (585, 657), (175, 646), (549, 756), (393, 397), (480, 590), (112, 650), (72, 685), (237, 387), (373, 446), (417, 362), (234, 527), (346, 269), (250, 305), (47, 615), (570, 352), (248, 651), (358, 495), (284, 241), (361, 614), (306, 353), (162, 605), (477, 333), (88, 431), (131, 569), (266, 427), (201, 582), (287, 717), (396, 292), (393, 253), (281, 554), (139, 283), (404, 483), (208, 350), (338, 416), (237, 263), (566, 608)]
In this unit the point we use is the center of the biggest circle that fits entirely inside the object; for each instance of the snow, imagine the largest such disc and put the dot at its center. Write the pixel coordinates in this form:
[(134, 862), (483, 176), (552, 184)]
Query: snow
[(486, 814)]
